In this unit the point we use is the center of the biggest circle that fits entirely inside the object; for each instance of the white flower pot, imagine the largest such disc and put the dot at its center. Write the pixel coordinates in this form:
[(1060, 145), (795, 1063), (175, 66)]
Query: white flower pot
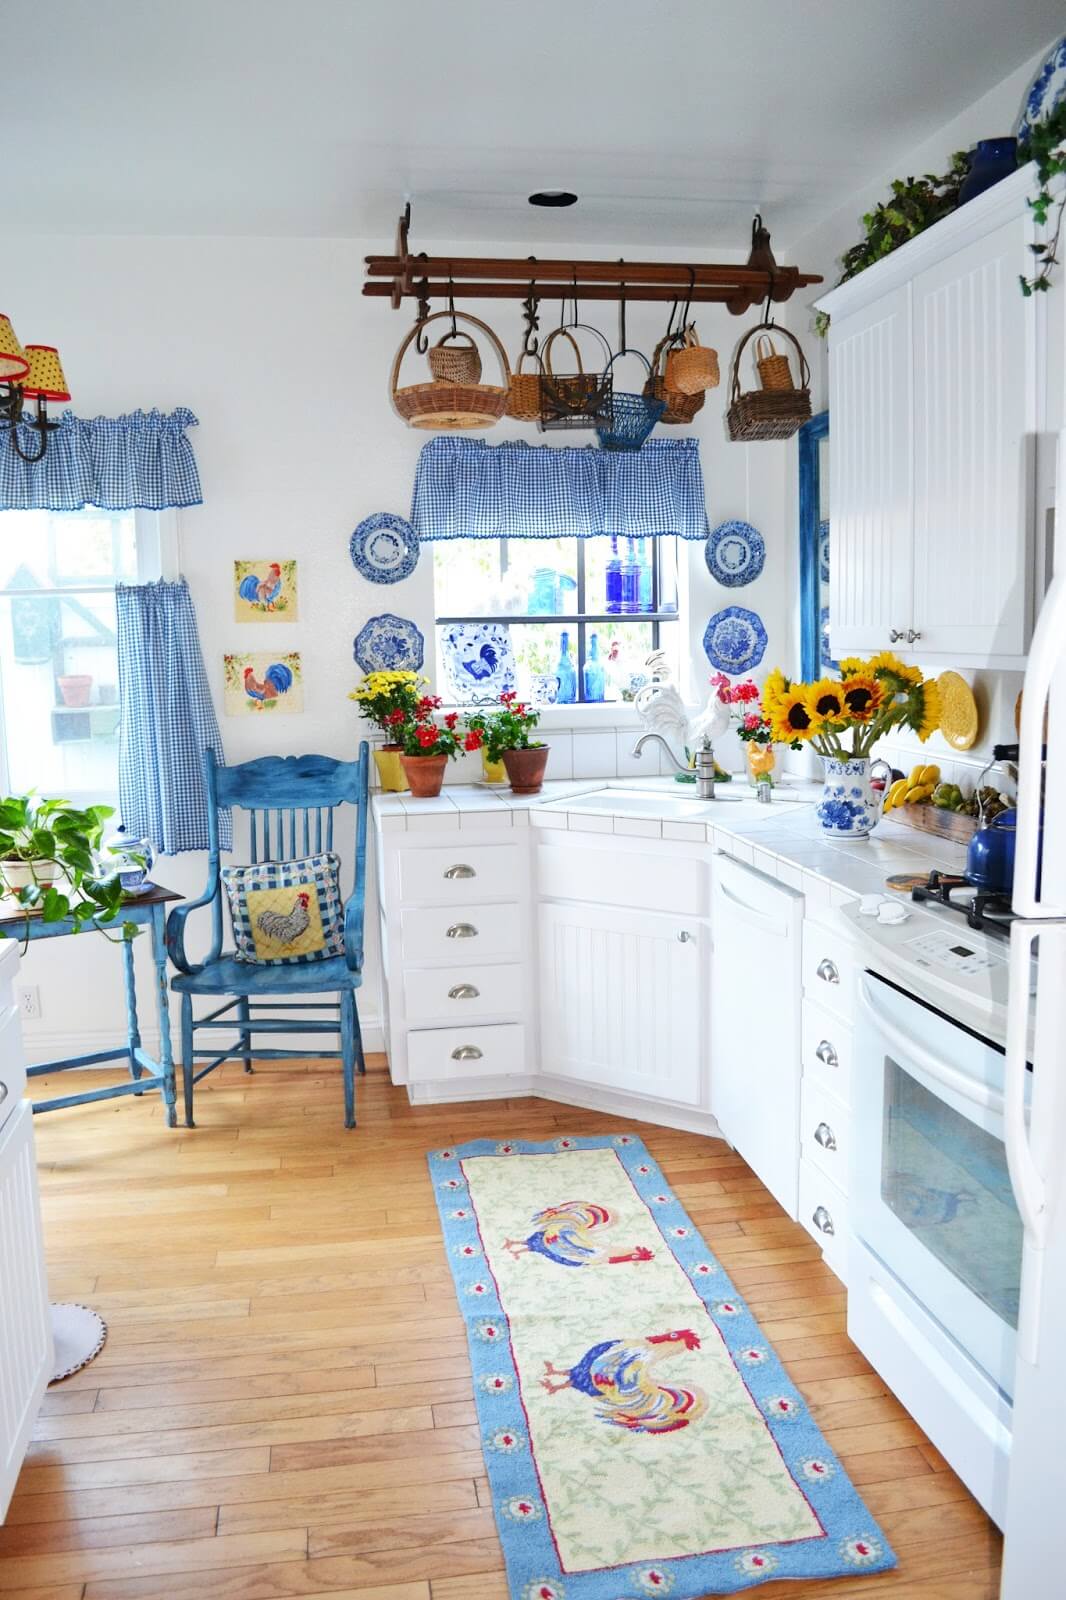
[(24, 874)]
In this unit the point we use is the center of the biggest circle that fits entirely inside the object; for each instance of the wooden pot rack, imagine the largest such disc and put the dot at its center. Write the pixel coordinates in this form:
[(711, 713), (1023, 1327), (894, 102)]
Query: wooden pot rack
[(404, 276)]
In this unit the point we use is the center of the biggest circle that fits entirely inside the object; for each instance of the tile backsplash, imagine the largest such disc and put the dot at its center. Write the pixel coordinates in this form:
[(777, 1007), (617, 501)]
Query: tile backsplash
[(576, 753)]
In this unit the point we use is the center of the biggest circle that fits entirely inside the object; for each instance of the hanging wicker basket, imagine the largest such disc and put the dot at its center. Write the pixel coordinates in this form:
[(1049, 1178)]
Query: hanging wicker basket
[(633, 416), (450, 407), (523, 394), (574, 400), (768, 413), (774, 370), (460, 363), (680, 408), (691, 367)]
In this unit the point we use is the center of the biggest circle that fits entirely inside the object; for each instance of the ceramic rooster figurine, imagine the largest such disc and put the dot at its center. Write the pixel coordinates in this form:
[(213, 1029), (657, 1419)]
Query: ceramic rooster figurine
[(262, 591), (277, 679), (564, 1234), (286, 926), (618, 1375)]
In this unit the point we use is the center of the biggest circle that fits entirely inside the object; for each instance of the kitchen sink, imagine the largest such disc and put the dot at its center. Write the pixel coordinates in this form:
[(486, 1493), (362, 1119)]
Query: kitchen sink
[(658, 802)]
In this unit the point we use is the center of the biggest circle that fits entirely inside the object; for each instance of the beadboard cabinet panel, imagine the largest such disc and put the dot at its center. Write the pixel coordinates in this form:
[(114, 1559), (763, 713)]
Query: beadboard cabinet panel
[(25, 1324), (621, 999), (870, 572), (973, 429)]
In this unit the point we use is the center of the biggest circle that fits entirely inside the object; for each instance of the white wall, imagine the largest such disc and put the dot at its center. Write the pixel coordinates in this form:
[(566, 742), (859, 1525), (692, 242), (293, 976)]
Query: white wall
[(819, 250), (271, 344)]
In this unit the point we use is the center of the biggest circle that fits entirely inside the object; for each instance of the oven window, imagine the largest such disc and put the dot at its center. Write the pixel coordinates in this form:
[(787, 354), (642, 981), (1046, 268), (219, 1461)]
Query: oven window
[(946, 1180)]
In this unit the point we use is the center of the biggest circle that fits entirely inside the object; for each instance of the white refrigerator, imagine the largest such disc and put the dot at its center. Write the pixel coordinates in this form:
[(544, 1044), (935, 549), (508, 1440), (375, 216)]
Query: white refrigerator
[(1035, 1554)]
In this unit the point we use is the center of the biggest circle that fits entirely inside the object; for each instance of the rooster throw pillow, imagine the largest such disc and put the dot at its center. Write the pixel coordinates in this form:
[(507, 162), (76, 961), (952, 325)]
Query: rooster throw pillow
[(287, 911)]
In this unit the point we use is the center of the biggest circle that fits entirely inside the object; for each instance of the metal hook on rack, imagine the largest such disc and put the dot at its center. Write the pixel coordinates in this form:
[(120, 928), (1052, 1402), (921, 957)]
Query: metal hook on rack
[(530, 344), (621, 311), (422, 287), (451, 300)]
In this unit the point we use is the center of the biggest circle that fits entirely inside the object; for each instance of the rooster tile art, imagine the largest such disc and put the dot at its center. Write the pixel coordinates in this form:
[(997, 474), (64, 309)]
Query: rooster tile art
[(262, 681), (264, 591)]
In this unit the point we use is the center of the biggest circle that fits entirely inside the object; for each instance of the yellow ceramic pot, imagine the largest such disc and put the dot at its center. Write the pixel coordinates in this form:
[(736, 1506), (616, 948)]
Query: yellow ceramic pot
[(495, 771), (760, 759), (391, 775)]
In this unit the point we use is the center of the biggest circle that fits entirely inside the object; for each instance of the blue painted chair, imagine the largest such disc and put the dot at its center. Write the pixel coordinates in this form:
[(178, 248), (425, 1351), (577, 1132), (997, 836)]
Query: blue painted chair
[(291, 801)]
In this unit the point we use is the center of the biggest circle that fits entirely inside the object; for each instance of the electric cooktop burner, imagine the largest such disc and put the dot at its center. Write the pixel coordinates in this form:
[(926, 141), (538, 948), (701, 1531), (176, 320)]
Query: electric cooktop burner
[(987, 912)]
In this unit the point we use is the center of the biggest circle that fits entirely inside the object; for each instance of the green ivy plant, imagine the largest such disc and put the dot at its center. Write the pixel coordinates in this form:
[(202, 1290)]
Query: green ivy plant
[(52, 838), (1046, 146)]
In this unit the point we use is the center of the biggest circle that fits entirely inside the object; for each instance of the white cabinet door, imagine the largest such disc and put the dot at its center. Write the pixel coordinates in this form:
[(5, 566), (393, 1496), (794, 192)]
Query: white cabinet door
[(621, 999), (972, 429), (25, 1323), (755, 1023), (870, 570)]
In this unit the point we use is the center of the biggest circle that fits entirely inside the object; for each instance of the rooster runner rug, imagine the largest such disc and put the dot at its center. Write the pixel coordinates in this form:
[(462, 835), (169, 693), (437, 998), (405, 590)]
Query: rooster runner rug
[(641, 1436)]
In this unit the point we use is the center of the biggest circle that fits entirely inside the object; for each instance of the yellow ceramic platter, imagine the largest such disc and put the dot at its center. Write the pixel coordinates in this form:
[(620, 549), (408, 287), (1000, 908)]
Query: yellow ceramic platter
[(958, 711)]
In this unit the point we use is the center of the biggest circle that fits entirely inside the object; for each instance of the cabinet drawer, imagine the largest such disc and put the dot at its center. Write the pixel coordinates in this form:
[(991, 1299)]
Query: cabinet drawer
[(639, 880), (823, 1211), (827, 1050), (829, 965), (463, 993), (12, 1062), (825, 1133), (479, 933), (461, 874), (436, 1053)]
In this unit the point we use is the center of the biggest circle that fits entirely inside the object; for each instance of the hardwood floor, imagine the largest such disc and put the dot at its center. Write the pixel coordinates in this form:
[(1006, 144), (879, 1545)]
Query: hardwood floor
[(283, 1406)]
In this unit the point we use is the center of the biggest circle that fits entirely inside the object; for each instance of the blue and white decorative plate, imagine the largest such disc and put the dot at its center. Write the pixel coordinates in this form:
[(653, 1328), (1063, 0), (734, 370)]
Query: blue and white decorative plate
[(734, 640), (824, 649), (384, 548), (478, 661), (389, 644), (1045, 93), (823, 550), (735, 553)]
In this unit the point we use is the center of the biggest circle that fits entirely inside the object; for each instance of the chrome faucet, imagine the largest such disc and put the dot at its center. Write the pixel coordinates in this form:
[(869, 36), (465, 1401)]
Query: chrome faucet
[(704, 763)]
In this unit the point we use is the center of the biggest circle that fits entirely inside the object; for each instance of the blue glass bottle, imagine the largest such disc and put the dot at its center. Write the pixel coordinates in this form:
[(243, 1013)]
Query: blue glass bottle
[(566, 672), (644, 576), (595, 677), (630, 580), (613, 580)]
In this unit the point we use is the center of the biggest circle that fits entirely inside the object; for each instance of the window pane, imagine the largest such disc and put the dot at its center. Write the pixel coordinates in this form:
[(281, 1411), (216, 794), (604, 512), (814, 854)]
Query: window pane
[(50, 549), (489, 577), (623, 649)]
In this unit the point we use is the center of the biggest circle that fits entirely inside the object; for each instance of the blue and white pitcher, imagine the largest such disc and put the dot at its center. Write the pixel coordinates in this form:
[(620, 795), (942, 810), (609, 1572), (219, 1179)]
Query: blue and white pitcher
[(850, 807)]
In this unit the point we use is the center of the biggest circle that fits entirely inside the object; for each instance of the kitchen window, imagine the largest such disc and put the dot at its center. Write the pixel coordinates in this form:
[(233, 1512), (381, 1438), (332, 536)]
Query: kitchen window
[(602, 605), (59, 708)]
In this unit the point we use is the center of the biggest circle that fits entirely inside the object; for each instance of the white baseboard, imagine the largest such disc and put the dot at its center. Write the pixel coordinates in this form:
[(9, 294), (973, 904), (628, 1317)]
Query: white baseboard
[(59, 1044), (563, 1091)]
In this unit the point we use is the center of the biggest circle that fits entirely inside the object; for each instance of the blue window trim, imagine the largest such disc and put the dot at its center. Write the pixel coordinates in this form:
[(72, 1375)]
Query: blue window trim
[(810, 436)]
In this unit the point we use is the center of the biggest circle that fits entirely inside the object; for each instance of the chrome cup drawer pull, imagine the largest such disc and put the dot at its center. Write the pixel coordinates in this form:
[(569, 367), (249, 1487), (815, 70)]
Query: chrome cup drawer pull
[(460, 870), (827, 971), (463, 991), (461, 930), (466, 1052), (4, 1091), (827, 1055), (822, 1220), (824, 1135)]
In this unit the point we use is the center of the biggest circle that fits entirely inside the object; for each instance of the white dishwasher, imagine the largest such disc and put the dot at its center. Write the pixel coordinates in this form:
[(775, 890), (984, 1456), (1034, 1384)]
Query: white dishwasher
[(756, 931)]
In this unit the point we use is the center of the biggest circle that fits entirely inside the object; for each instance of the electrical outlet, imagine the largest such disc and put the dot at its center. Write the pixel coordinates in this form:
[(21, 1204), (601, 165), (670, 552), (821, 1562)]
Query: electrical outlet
[(29, 1001)]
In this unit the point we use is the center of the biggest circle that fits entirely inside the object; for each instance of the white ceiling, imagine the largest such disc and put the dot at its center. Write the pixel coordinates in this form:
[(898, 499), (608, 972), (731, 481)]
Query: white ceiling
[(673, 119)]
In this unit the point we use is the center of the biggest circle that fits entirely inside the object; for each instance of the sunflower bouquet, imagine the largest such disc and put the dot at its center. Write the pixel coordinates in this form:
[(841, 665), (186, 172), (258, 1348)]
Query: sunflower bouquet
[(844, 717)]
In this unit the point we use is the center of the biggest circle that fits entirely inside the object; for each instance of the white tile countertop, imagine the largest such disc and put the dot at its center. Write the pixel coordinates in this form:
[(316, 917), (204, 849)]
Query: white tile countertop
[(782, 839)]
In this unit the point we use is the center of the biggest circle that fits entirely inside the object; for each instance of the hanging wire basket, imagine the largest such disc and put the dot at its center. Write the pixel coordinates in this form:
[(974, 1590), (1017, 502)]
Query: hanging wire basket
[(632, 416), (574, 400)]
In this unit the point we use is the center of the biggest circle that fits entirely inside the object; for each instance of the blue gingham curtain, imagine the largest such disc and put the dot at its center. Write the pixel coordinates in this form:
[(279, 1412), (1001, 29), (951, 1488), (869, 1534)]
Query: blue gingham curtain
[(167, 719), (142, 461), (467, 489)]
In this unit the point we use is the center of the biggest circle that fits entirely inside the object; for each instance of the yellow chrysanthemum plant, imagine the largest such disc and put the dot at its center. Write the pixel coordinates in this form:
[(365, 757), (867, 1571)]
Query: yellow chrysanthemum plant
[(844, 717), (390, 699)]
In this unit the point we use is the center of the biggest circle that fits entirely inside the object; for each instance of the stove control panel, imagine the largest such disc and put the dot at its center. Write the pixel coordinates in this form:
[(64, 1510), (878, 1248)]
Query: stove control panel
[(954, 951)]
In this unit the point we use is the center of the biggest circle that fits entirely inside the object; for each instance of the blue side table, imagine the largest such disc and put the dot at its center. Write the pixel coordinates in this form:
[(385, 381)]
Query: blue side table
[(148, 909)]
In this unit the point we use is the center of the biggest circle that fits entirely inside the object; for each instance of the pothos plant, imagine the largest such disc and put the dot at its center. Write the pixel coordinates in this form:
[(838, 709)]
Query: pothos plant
[(1046, 146), (46, 840)]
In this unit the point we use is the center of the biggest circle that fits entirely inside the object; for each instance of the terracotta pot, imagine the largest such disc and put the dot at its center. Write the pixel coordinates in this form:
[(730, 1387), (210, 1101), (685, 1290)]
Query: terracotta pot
[(494, 771), (525, 768), (76, 688), (425, 774), (390, 770)]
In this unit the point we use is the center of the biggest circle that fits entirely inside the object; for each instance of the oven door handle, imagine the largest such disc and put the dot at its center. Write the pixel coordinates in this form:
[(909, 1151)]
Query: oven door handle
[(910, 1048), (1027, 1181)]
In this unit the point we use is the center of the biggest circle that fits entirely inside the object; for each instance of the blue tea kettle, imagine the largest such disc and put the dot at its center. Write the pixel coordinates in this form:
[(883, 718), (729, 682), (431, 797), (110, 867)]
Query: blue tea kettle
[(990, 856)]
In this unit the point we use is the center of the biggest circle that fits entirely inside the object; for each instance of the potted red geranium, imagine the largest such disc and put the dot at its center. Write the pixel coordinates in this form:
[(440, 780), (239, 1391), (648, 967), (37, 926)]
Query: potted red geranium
[(752, 726), (427, 746), (505, 736)]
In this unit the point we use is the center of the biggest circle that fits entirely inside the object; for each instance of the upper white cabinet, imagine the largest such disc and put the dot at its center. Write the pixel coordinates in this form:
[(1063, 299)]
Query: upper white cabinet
[(937, 397)]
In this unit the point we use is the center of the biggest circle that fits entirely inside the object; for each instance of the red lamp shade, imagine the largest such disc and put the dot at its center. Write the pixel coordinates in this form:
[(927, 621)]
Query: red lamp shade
[(13, 359), (45, 378)]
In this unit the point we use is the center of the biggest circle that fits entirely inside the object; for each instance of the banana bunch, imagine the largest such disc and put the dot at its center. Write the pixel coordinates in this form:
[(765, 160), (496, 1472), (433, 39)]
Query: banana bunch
[(914, 789)]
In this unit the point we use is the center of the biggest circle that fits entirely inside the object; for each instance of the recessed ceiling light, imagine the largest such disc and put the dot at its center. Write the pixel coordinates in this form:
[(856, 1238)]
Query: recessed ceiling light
[(553, 197)]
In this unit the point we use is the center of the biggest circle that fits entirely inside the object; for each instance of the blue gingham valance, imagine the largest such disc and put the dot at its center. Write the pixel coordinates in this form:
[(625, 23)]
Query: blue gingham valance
[(142, 461), (467, 489)]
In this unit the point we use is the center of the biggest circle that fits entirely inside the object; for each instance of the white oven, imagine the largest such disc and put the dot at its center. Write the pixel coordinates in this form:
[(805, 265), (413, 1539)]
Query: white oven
[(933, 1298)]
